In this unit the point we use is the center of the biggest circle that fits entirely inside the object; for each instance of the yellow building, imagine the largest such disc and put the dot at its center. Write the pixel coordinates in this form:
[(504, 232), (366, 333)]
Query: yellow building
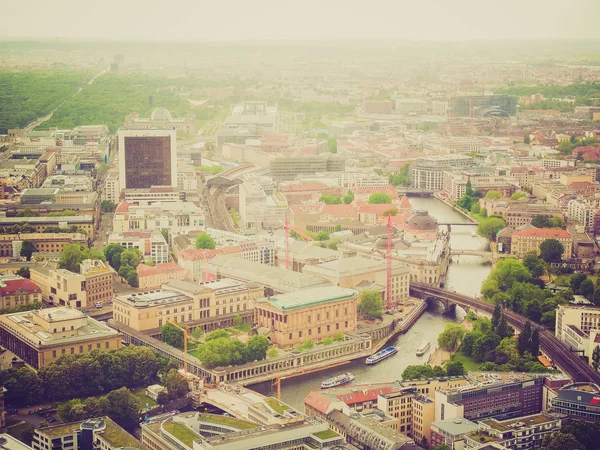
[(39, 224), (76, 290), (186, 302), (423, 413), (351, 272), (16, 291), (531, 238), (41, 337), (314, 314), (43, 242), (152, 277)]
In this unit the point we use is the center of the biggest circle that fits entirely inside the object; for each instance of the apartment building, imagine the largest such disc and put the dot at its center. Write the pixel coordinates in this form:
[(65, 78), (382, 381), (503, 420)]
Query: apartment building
[(176, 217), (578, 401), (92, 285), (500, 396), (10, 244), (42, 336), (289, 167), (91, 434), (153, 277), (185, 302), (574, 323), (150, 243), (455, 184), (523, 433), (428, 172), (40, 224), (309, 315), (583, 211), (531, 238), (518, 213), (451, 432)]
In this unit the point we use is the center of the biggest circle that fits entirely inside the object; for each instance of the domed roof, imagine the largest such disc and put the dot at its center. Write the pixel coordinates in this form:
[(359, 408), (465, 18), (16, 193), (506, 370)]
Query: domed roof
[(161, 114), (421, 220)]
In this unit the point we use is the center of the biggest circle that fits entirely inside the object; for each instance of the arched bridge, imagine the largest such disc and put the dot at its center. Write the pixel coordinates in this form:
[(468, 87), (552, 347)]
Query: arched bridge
[(482, 253), (558, 352)]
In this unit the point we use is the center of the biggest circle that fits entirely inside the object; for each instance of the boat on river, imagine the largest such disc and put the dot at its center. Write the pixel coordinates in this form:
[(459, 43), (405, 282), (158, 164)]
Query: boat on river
[(381, 355), (338, 380), (423, 348)]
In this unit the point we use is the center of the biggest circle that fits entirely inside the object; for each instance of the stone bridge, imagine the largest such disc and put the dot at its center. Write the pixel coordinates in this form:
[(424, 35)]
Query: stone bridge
[(569, 362), (487, 256)]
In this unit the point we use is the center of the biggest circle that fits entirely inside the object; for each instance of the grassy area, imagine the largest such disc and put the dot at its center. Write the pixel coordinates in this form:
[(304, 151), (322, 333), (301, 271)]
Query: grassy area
[(467, 362), (143, 399), (477, 217), (181, 432), (276, 405), (326, 434), (117, 437), (563, 280), (243, 328), (227, 421)]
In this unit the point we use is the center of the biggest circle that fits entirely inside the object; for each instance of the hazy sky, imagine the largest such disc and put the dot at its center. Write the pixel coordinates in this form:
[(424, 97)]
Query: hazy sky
[(300, 19)]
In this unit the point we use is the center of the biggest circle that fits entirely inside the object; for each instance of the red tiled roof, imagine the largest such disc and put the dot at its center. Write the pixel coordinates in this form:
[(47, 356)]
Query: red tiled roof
[(123, 207), (195, 254), (317, 401), (145, 271), (362, 396), (339, 210), (13, 286), (405, 203), (376, 209), (547, 233)]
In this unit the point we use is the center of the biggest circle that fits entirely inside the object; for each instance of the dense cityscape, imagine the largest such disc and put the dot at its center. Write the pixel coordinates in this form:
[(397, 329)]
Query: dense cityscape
[(303, 244)]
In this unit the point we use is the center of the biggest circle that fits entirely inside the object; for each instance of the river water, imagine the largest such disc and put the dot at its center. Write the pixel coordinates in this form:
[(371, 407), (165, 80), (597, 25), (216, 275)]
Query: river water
[(465, 275)]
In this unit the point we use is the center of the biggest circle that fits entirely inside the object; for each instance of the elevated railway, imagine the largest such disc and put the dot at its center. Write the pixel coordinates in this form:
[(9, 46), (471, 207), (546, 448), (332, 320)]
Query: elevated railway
[(559, 353)]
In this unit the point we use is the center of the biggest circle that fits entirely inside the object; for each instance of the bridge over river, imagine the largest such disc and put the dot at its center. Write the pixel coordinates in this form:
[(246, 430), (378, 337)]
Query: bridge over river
[(558, 352)]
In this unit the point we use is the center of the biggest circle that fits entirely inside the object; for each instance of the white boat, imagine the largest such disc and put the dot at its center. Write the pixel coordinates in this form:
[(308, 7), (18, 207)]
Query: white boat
[(381, 355), (423, 348), (338, 380)]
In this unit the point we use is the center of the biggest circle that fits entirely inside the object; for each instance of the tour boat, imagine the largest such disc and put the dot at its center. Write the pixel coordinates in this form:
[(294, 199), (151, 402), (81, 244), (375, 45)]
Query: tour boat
[(423, 348), (338, 380), (381, 355)]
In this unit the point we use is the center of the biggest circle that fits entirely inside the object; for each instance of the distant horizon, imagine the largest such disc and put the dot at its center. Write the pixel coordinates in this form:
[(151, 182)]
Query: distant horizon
[(310, 20)]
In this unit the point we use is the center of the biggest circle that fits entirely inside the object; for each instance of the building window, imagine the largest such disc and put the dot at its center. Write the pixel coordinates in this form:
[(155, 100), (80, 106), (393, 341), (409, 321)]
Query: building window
[(290, 336), (81, 349), (337, 326), (160, 322), (63, 351), (299, 334), (72, 350), (54, 353), (98, 345), (107, 345)]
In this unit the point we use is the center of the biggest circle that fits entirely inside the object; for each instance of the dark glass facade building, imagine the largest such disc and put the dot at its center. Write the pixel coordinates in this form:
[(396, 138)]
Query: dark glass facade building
[(148, 161)]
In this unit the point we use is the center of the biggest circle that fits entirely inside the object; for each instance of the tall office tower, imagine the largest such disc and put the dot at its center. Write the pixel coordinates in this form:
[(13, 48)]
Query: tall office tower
[(147, 158)]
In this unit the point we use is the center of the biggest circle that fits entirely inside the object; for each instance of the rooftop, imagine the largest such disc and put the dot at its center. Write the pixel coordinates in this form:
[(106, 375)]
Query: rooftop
[(162, 268), (520, 422), (310, 297), (154, 298), (355, 265), (117, 437), (543, 232), (455, 427)]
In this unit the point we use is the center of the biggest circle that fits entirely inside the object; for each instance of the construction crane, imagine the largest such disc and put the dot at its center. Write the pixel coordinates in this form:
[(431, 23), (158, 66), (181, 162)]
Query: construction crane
[(186, 336), (277, 381), (388, 257), (287, 243)]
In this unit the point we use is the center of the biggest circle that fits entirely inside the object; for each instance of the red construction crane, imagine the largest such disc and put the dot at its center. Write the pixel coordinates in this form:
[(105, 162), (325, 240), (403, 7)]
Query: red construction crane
[(287, 243), (389, 262)]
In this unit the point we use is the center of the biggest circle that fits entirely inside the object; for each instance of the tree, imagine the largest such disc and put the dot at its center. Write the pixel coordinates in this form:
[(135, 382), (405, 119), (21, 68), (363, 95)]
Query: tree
[(576, 280), (176, 384), (73, 254), (338, 228), (332, 145), (475, 208), (493, 194), (551, 250), (112, 253), (23, 386), (256, 348), (172, 335), (371, 305), (527, 139), (441, 447), (587, 289), (465, 202), (450, 338), (379, 198), (131, 257), (586, 433), (557, 222), (534, 264), (541, 222), (221, 352), (469, 189), (129, 274), (560, 441), (496, 315), (524, 341), (330, 199), (489, 227), (24, 272), (468, 341), (533, 310), (519, 195), (27, 212), (418, 372), (107, 206), (509, 271), (27, 249), (123, 407), (322, 236), (534, 343), (204, 240), (273, 353), (348, 198), (390, 212), (454, 368)]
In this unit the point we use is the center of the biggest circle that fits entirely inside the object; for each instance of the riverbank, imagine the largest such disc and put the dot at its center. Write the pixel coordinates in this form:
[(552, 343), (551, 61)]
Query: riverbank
[(458, 210), (440, 356)]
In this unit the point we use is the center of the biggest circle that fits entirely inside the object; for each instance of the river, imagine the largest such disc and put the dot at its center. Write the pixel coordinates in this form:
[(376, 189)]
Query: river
[(465, 275)]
